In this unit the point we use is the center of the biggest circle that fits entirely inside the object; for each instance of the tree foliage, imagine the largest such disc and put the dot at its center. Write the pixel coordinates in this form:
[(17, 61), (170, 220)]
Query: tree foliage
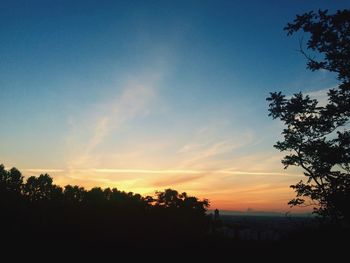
[(316, 136), (10, 181), (172, 199), (38, 209)]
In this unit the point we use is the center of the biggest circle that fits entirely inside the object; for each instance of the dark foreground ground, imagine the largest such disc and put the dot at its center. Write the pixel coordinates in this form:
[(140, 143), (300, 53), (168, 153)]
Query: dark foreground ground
[(247, 238)]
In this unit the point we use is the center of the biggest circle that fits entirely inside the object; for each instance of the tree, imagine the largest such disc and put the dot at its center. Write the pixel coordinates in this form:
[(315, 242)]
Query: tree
[(74, 194), (41, 189), (10, 181), (172, 199), (168, 198), (96, 196), (316, 136)]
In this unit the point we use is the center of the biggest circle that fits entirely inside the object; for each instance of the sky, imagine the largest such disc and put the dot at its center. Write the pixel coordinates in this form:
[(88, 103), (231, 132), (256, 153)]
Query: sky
[(149, 95)]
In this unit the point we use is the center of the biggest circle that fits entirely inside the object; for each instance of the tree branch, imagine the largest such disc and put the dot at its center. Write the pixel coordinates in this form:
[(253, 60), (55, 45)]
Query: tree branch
[(308, 170)]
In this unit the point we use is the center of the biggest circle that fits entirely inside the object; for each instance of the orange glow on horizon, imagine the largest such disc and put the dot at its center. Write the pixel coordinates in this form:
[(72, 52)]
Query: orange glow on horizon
[(226, 189)]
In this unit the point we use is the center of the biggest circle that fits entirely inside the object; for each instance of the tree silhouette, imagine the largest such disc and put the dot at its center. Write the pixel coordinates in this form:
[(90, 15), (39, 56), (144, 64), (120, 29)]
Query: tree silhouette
[(39, 210), (74, 194), (11, 201), (96, 195), (172, 199), (317, 136), (10, 181), (41, 189), (169, 199)]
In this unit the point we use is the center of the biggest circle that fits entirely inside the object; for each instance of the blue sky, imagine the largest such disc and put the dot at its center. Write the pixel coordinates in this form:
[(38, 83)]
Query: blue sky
[(143, 95)]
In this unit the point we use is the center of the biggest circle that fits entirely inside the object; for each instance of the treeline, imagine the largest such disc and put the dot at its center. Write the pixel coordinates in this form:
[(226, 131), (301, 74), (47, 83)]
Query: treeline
[(37, 209)]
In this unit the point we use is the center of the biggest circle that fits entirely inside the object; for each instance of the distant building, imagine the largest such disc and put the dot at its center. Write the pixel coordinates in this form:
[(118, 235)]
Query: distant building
[(216, 215)]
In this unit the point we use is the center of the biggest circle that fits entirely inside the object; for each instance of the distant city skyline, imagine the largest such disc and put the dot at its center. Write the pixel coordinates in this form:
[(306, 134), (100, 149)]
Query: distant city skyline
[(150, 95)]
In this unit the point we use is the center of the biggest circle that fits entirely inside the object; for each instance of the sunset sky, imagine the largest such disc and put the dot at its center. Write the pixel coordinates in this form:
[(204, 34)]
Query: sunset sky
[(147, 95)]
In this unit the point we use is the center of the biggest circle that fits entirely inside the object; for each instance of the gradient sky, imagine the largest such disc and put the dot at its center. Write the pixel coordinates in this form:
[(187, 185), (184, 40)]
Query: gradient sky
[(146, 95)]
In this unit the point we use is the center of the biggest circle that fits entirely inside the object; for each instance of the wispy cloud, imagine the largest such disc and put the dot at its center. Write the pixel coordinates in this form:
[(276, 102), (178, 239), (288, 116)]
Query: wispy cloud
[(246, 172), (43, 170), (174, 181), (146, 171), (320, 95), (133, 101), (206, 146), (189, 147), (172, 171), (208, 150)]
